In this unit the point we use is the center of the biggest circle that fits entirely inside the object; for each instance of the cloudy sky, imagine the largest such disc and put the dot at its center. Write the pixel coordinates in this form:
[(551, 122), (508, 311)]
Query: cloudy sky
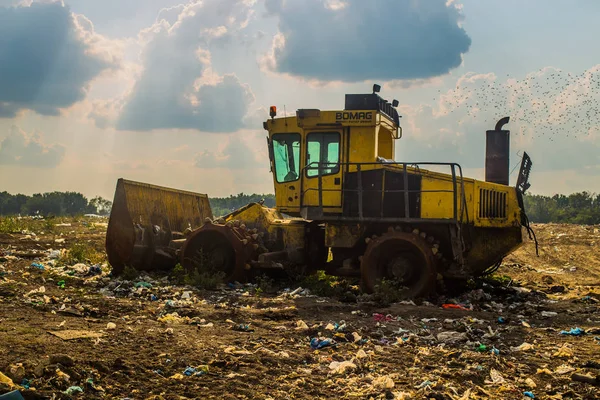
[(174, 93)]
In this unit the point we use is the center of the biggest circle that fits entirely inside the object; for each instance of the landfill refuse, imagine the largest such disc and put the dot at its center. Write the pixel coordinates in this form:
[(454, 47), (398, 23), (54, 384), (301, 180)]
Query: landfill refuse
[(317, 343), (452, 337), (573, 332), (338, 367), (186, 340), (73, 390), (529, 394)]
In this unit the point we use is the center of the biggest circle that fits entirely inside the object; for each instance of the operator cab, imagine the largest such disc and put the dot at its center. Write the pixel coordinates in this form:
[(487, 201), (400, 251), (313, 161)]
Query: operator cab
[(311, 153)]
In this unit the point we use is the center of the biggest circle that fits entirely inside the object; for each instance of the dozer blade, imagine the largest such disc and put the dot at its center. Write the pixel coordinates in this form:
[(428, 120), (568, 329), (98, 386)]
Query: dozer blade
[(144, 221)]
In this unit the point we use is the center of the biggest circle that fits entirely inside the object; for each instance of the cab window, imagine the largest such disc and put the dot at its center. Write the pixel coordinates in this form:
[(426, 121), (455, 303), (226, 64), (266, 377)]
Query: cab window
[(286, 156), (322, 153)]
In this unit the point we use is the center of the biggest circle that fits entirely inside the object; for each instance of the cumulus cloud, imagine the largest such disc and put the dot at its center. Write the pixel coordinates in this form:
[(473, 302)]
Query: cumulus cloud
[(28, 150), (357, 40), (555, 117), (235, 154), (48, 56), (178, 87)]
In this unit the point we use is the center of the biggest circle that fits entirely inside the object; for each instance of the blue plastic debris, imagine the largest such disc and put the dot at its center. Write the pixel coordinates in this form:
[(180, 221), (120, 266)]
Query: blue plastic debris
[(26, 383), (189, 371), (573, 332), (316, 343), (153, 298), (529, 394), (14, 395), (501, 320), (495, 351), (38, 266)]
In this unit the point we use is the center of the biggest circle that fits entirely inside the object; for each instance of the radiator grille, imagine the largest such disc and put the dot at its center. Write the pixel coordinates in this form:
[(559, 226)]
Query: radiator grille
[(492, 204)]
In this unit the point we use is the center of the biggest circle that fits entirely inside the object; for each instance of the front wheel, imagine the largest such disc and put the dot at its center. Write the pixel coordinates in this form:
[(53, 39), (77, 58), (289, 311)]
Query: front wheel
[(405, 259)]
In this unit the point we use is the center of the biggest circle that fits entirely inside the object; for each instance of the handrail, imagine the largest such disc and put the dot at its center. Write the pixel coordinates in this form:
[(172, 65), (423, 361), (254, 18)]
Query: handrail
[(459, 205)]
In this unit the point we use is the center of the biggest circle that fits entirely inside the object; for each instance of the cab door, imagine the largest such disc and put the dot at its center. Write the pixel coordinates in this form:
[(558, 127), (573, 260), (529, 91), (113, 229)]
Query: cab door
[(323, 153), (285, 155)]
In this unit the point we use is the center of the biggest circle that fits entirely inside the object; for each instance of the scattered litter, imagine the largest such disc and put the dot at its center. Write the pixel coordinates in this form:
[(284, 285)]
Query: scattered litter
[(73, 390), (529, 394), (496, 377), (317, 343), (566, 350), (563, 369), (573, 332), (530, 383), (338, 367), (549, 314), (111, 326), (522, 347), (382, 318), (452, 337), (383, 382), (454, 307), (242, 328), (77, 334), (38, 266), (301, 325)]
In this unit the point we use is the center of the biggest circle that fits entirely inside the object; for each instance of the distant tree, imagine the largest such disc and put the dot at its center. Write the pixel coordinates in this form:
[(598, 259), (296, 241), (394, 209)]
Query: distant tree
[(101, 205), (11, 204), (577, 208)]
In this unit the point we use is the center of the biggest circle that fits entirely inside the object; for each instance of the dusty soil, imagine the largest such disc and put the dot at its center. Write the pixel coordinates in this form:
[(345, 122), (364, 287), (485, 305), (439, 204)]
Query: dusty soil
[(507, 342)]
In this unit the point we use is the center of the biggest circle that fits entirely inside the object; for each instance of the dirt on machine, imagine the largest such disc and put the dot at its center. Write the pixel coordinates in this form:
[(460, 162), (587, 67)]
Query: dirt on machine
[(343, 205)]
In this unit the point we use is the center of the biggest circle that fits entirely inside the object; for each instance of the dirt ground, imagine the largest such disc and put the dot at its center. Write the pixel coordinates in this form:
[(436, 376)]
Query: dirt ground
[(156, 340)]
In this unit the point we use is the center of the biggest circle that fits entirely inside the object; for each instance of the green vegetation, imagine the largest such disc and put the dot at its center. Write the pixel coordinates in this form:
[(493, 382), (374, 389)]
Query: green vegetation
[(203, 276), (130, 273), (81, 253), (52, 204), (577, 208), (15, 225)]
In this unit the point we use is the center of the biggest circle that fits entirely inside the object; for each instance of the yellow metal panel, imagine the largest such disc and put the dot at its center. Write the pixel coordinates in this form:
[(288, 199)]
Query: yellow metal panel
[(512, 211)]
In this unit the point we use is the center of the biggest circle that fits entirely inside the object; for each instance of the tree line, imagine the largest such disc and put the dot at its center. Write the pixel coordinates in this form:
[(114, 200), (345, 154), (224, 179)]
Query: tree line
[(576, 208), (52, 204)]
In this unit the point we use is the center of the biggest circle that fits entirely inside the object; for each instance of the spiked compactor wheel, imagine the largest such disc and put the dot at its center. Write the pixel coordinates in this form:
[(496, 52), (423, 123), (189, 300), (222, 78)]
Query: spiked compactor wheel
[(405, 258), (226, 248)]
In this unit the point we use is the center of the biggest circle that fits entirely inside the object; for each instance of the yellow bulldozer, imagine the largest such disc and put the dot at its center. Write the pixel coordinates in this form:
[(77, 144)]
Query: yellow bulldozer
[(342, 205)]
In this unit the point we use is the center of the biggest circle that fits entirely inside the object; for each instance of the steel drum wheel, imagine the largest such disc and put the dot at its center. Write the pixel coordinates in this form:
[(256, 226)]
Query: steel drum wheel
[(401, 256)]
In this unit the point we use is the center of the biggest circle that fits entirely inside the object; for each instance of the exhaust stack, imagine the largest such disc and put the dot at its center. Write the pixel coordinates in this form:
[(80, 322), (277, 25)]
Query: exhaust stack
[(497, 150)]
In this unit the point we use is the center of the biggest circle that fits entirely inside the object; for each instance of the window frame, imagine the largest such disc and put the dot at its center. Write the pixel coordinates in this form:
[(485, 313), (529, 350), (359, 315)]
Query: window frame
[(299, 162), (337, 168)]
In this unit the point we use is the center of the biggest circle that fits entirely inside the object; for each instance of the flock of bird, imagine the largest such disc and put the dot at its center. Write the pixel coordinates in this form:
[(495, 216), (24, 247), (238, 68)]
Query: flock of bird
[(547, 103)]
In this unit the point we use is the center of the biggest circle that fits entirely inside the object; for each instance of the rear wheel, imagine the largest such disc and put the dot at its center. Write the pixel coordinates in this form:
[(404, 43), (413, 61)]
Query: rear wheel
[(404, 259)]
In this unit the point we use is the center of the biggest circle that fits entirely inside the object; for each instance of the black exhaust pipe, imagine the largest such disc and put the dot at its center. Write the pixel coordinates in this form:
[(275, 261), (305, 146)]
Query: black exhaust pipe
[(497, 150)]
